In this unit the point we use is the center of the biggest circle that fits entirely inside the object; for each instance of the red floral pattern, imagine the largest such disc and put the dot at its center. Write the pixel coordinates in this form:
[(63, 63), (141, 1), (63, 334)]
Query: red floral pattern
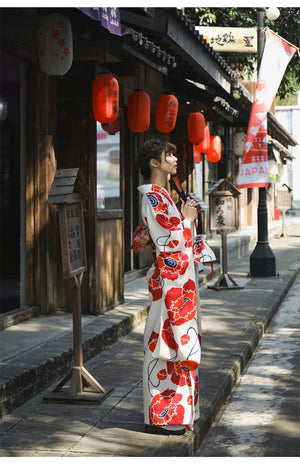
[(153, 341), (155, 285), (190, 365), (165, 408), (179, 376), (167, 335), (172, 265), (167, 222), (162, 374), (185, 339), (187, 235), (182, 303)]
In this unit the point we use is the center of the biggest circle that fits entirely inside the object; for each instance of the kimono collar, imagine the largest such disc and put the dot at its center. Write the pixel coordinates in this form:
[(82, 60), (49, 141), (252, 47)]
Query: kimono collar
[(149, 188)]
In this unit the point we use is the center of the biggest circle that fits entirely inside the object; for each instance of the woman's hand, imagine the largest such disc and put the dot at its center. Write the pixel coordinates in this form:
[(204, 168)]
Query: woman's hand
[(189, 210)]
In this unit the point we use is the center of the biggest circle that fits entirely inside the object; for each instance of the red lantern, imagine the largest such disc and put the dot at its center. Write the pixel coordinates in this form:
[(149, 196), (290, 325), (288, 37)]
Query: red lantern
[(113, 127), (215, 150), (55, 44), (138, 111), (197, 156), (105, 98), (166, 113), (196, 125), (203, 146)]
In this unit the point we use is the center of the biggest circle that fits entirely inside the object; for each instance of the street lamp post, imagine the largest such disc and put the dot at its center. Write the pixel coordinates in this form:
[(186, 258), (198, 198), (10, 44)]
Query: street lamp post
[(262, 259)]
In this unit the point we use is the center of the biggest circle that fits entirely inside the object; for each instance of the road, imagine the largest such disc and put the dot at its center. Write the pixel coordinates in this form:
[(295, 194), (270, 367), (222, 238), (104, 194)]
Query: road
[(262, 418)]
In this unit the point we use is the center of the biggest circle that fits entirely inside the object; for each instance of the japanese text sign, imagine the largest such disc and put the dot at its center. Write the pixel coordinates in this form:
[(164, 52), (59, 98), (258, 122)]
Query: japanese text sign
[(283, 199), (223, 211), (229, 39), (72, 239)]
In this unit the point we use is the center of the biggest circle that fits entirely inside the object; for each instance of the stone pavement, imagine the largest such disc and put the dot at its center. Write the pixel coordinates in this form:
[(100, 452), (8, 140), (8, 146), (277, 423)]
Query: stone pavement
[(233, 322)]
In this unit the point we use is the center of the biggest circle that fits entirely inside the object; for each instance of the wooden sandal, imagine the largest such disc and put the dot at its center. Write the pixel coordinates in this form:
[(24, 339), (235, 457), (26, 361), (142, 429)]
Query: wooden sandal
[(161, 431)]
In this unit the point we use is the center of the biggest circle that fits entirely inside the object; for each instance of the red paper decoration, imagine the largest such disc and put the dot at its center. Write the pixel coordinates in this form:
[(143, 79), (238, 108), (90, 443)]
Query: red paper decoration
[(197, 155), (55, 44), (214, 153), (105, 98), (196, 125), (203, 146), (138, 111), (113, 127), (166, 113)]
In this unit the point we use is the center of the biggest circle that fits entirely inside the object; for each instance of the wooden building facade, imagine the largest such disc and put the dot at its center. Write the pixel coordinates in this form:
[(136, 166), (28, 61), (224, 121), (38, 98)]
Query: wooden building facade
[(49, 125)]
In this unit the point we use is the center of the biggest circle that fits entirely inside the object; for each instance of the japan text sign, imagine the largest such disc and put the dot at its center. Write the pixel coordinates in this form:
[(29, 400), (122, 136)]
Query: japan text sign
[(72, 238), (223, 211), (229, 39)]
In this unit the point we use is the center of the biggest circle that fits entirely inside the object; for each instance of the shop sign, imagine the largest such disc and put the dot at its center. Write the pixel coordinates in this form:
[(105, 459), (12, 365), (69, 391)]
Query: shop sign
[(230, 39), (108, 18)]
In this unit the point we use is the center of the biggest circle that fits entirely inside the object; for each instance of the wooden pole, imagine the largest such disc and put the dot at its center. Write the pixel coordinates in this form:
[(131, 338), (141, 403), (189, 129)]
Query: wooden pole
[(76, 382), (225, 281)]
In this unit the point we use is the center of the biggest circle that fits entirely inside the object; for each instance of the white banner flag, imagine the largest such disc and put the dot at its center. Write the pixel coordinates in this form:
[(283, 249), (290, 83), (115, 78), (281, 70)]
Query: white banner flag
[(276, 56)]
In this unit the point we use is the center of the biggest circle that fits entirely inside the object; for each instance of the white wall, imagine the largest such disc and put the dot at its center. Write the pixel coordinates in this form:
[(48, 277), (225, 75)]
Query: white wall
[(289, 117)]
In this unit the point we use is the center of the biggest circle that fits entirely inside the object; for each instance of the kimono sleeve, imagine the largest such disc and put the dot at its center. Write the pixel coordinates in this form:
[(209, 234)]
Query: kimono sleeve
[(169, 231)]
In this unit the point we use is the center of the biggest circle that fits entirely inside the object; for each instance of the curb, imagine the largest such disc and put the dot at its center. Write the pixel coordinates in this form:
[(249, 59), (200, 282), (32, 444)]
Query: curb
[(234, 366), (22, 384)]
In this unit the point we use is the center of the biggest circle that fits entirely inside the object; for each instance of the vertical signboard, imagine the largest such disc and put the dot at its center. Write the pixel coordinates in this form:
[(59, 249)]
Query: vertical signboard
[(72, 239), (223, 211)]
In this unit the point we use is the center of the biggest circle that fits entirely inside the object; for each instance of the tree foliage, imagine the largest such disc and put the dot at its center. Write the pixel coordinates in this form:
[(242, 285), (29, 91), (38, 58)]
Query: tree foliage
[(287, 26)]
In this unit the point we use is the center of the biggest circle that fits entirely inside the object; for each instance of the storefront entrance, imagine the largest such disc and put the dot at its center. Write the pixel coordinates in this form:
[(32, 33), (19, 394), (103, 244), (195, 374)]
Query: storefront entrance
[(12, 191)]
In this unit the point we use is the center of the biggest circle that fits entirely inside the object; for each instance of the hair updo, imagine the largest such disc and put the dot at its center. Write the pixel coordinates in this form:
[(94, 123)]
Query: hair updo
[(152, 149)]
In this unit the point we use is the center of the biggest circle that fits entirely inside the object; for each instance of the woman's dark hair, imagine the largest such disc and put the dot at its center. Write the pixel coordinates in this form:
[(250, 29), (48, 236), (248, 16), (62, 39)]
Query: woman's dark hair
[(152, 149)]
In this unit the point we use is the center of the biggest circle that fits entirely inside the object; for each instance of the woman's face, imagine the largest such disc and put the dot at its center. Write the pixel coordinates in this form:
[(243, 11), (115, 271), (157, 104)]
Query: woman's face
[(168, 163)]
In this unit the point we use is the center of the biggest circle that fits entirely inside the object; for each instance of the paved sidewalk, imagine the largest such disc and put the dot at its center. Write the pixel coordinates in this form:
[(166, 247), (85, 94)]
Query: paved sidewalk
[(233, 322)]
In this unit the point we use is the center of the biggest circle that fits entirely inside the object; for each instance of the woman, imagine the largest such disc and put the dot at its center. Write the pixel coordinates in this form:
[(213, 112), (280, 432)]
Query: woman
[(172, 334)]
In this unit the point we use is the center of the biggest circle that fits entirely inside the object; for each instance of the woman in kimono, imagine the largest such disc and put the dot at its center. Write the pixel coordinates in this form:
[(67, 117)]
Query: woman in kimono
[(172, 340)]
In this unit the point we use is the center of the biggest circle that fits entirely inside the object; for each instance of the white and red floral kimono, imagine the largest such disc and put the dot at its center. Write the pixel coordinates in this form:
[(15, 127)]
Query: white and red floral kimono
[(172, 339)]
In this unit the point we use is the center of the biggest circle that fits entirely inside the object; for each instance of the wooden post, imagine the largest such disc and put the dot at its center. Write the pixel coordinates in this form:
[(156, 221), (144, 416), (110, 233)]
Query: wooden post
[(79, 376), (72, 236), (284, 202), (225, 281)]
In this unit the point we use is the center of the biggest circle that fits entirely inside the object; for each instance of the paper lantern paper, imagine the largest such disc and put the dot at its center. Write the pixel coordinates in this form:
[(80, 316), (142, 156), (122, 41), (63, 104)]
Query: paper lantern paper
[(166, 113), (197, 155), (113, 127), (203, 146), (105, 98), (214, 153), (55, 44), (239, 142), (138, 111), (196, 125)]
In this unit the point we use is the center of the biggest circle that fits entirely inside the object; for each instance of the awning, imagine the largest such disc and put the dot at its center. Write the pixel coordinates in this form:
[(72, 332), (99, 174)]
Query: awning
[(176, 34), (284, 152), (140, 41)]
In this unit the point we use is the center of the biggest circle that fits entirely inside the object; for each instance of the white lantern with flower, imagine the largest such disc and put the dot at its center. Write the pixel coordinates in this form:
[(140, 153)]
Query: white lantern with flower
[(239, 142), (55, 44)]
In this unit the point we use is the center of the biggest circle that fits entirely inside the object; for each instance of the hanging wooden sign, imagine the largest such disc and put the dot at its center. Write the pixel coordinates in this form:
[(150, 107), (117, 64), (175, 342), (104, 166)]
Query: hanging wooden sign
[(72, 238), (223, 211), (284, 201)]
